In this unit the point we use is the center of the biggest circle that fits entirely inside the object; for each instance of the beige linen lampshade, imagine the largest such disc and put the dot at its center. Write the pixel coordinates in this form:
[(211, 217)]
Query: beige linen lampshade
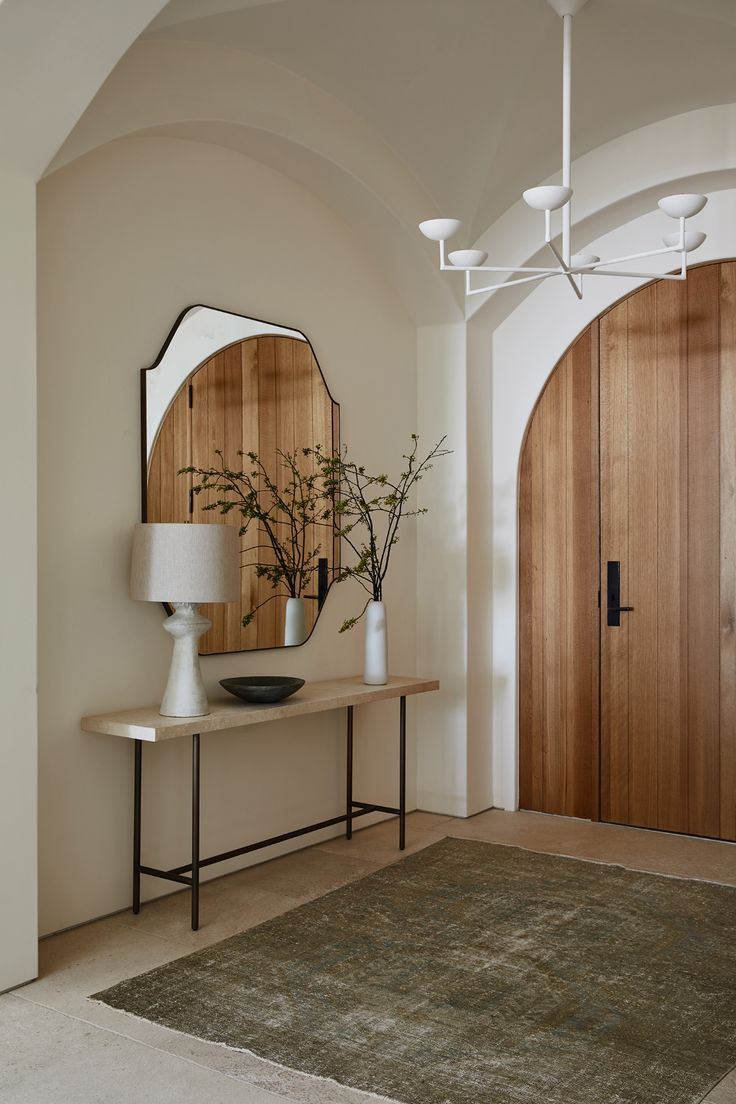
[(185, 563)]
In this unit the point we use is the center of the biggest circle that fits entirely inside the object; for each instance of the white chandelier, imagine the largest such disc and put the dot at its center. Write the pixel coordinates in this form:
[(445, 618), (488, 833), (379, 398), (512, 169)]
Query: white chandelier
[(549, 198)]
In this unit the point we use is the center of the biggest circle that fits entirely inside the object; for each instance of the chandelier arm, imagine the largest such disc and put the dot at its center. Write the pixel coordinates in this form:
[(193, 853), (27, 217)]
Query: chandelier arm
[(509, 283), (637, 256), (681, 275), (498, 268), (565, 270), (566, 131)]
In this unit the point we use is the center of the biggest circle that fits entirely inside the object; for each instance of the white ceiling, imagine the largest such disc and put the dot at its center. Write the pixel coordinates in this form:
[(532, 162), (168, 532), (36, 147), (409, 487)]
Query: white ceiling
[(467, 92)]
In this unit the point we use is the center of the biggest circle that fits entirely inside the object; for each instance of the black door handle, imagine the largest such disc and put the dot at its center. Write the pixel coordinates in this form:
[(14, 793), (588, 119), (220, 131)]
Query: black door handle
[(614, 609)]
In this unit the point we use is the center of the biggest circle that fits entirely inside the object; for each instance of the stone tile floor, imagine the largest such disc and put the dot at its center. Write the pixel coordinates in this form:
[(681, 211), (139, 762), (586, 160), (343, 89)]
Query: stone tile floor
[(57, 1046)]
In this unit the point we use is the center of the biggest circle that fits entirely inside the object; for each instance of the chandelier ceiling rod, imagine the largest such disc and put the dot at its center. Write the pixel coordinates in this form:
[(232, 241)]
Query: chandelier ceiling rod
[(549, 198)]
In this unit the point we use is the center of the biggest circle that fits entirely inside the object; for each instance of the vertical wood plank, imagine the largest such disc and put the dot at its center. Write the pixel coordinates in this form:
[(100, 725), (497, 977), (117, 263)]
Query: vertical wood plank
[(168, 492), (531, 635), (305, 396), (167, 473), (249, 433), (324, 418), (232, 446), (213, 377), (558, 572), (614, 491), (539, 596), (594, 644), (335, 448), (639, 569), (267, 620), (671, 460), (727, 337), (704, 565), (554, 425), (525, 616), (582, 585), (285, 430)]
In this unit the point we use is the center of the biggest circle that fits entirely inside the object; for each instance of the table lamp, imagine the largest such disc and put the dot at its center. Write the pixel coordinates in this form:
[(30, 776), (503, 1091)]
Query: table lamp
[(185, 565)]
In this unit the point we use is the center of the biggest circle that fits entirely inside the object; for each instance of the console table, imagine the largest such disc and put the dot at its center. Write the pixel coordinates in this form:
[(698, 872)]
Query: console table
[(148, 726)]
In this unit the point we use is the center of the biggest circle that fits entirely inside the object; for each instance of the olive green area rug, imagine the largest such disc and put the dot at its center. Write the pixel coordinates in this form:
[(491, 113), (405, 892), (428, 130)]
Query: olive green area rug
[(471, 973)]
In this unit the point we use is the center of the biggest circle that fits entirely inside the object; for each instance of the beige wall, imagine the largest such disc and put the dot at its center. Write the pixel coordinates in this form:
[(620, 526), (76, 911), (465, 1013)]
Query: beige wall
[(128, 236), (18, 954)]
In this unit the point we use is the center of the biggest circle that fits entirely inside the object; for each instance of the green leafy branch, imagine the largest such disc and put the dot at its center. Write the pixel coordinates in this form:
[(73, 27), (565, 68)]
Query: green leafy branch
[(280, 514), (368, 511)]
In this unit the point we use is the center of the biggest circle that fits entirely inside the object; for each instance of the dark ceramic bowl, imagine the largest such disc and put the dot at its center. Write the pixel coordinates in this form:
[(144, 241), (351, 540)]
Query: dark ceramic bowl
[(262, 688)]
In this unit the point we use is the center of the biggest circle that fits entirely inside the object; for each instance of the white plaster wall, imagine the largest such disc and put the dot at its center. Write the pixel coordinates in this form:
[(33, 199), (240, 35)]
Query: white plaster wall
[(454, 750), (18, 950), (128, 236), (525, 348), (441, 591)]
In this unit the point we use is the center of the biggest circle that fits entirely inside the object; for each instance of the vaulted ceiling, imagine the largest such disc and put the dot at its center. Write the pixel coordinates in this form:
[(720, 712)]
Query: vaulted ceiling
[(397, 110), (467, 92)]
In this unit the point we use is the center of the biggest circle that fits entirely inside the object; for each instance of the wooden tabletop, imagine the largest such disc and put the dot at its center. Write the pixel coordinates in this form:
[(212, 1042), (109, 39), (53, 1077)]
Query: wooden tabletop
[(316, 697)]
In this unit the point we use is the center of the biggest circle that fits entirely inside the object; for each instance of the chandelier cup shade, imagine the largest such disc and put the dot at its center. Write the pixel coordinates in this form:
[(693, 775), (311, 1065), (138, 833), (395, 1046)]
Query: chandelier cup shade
[(440, 229), (682, 206), (467, 258), (584, 260), (550, 198), (693, 239)]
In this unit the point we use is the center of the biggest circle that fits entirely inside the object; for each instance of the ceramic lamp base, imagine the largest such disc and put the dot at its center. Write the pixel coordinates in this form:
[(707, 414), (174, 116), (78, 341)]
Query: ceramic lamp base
[(185, 695)]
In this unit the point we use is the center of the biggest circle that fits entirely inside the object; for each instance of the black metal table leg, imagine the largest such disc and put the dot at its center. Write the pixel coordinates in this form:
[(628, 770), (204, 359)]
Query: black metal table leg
[(195, 832), (349, 795), (402, 773), (137, 827)]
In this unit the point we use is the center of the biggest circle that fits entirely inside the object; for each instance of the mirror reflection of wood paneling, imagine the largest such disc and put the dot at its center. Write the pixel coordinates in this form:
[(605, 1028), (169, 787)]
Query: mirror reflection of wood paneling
[(264, 395)]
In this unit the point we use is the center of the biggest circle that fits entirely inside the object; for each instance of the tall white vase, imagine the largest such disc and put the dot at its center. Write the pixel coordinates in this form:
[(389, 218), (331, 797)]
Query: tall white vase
[(295, 626), (375, 669)]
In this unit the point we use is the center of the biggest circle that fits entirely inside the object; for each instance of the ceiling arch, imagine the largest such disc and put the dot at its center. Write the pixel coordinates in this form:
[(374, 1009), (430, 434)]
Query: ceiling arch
[(467, 92), (393, 110), (214, 94), (53, 58)]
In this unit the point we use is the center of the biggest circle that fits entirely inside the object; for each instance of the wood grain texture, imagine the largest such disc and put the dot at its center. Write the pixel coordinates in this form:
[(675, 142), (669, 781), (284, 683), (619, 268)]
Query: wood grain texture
[(639, 570), (264, 395), (666, 378), (558, 594), (148, 724), (671, 554), (614, 500), (727, 442), (167, 494), (703, 569)]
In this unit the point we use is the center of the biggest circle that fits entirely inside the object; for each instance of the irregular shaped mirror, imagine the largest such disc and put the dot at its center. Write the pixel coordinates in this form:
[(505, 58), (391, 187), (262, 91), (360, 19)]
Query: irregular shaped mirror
[(223, 385)]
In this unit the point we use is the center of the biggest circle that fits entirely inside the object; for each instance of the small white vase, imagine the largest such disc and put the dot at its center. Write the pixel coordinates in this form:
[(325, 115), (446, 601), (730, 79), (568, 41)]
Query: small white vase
[(295, 626), (375, 669)]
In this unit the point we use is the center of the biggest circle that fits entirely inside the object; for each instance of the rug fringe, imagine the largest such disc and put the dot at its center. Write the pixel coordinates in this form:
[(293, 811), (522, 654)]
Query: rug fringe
[(596, 862), (242, 1050)]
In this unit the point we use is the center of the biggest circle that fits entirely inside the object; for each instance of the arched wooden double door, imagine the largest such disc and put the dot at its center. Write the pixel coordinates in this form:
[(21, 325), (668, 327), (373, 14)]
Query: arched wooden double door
[(628, 499)]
